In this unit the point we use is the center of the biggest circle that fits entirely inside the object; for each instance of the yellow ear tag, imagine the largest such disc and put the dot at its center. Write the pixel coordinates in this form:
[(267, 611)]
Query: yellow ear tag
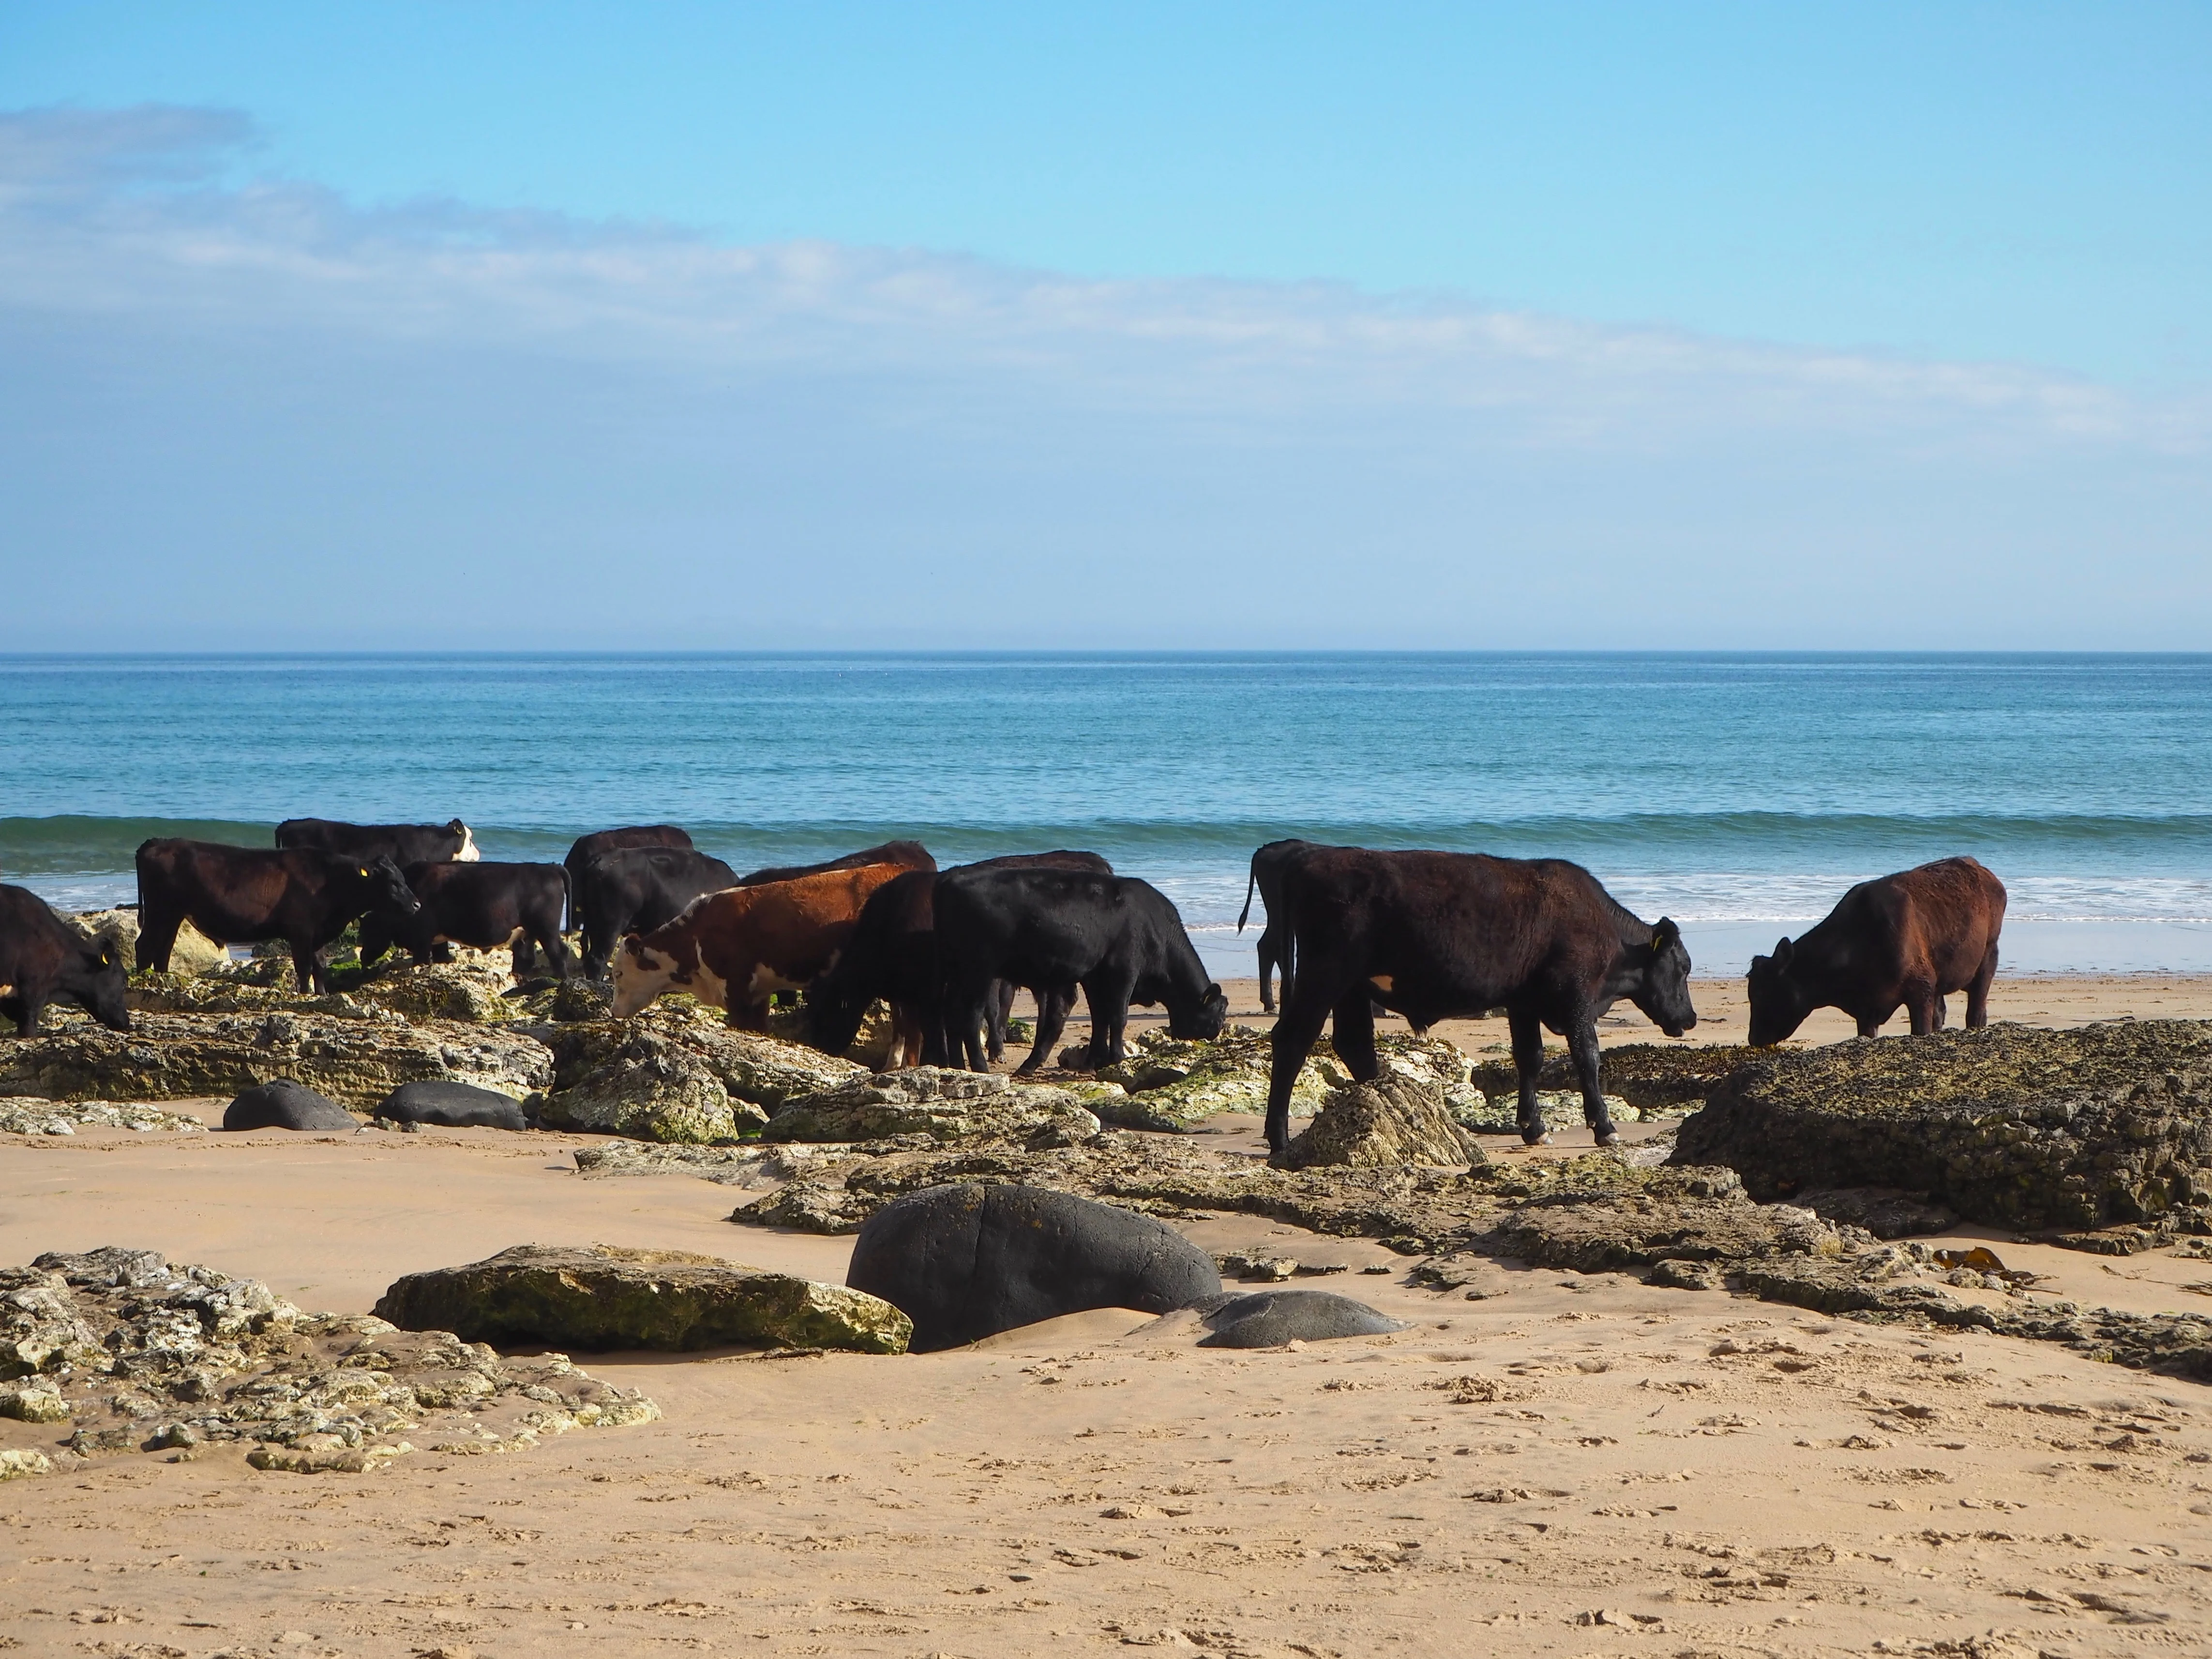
[(364, 875)]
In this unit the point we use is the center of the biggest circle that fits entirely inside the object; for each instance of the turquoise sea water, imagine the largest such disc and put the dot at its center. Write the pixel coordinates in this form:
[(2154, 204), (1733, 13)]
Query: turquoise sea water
[(1740, 794)]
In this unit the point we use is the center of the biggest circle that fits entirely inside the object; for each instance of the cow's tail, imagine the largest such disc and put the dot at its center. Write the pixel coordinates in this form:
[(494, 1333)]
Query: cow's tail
[(568, 916), (1250, 882)]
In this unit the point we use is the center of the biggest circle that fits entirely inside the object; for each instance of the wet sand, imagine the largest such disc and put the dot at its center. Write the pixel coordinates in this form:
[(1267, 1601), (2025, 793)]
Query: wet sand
[(1584, 1465)]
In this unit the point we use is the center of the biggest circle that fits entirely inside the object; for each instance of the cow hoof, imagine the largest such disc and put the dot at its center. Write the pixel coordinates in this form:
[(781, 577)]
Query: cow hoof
[(1606, 1136), (1539, 1139)]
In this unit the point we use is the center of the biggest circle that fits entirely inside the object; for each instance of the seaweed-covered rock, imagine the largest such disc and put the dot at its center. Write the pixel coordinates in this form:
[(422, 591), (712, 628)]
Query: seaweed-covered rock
[(1175, 1086), (1560, 1109), (357, 1059), (194, 952), (39, 1330), (941, 1103), (1392, 1121), (282, 1104), (2007, 1125), (437, 990), (1882, 1211), (144, 1355), (606, 1298), (568, 1003), (1655, 1079), (1702, 1216), (649, 1088)]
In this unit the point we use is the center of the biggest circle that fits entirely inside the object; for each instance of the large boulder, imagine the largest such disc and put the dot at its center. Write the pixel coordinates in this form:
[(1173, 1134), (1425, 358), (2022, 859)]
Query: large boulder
[(356, 1058), (470, 991), (282, 1104), (194, 952), (648, 1088), (942, 1103), (451, 1106), (2008, 1126), (1644, 1080), (1393, 1119), (604, 1298), (967, 1260)]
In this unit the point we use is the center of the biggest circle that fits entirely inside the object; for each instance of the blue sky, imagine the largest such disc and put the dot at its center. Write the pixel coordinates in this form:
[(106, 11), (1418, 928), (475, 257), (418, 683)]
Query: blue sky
[(1723, 325)]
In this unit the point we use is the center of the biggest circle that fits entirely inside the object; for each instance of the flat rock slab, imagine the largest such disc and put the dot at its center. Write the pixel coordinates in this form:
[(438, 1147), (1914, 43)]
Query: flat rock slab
[(1269, 1319), (282, 1104), (1658, 1079), (967, 1260), (121, 1351), (2008, 1126), (941, 1103), (30, 1115), (448, 1105), (606, 1298)]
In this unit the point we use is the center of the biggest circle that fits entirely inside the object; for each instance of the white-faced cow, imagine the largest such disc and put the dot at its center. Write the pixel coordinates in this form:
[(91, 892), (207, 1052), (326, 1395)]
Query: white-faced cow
[(402, 843), (1437, 935)]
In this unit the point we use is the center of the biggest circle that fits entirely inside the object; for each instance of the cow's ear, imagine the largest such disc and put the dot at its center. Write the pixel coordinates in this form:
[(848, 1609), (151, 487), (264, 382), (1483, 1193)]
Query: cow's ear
[(1783, 952), (1664, 934)]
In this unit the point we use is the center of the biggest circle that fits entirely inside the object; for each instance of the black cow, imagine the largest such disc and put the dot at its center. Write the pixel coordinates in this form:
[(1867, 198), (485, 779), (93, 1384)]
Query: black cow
[(245, 894), (892, 954), (42, 957), (1117, 937), (637, 889), (1275, 941), (483, 905), (600, 842), (910, 854), (1910, 938), (1434, 935), (402, 843)]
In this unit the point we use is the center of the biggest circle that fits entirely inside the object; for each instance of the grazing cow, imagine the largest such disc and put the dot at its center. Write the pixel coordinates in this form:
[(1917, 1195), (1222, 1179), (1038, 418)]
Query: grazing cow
[(600, 842), (892, 954), (1275, 942), (907, 855), (1433, 935), (42, 957), (483, 905), (1910, 939), (245, 894), (736, 948), (638, 889), (402, 843), (1117, 937)]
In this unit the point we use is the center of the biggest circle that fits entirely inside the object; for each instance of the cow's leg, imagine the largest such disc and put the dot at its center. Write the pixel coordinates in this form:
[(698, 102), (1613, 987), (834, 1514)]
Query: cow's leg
[(1268, 969), (1001, 1011), (1305, 1009), (556, 952), (1942, 1006), (1108, 1000), (1921, 1005), (1351, 1034), (1052, 1004), (1527, 1035), (1582, 1046), (307, 972), (1978, 990), (966, 1016), (17, 1009), (157, 936)]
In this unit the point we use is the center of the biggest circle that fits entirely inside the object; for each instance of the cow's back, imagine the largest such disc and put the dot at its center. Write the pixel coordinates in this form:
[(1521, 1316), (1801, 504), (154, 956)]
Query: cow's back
[(1942, 918)]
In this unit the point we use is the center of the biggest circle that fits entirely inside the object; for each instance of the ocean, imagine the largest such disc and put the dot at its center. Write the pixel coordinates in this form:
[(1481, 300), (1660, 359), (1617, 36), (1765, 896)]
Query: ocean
[(1740, 794)]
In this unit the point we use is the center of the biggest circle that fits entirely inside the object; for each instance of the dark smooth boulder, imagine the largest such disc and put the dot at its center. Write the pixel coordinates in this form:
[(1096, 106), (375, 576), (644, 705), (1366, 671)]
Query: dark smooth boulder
[(1272, 1318), (969, 1260), (281, 1104), (446, 1105)]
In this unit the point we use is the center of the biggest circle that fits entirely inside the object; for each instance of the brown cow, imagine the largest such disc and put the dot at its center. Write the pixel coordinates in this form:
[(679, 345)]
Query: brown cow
[(1910, 939), (736, 948)]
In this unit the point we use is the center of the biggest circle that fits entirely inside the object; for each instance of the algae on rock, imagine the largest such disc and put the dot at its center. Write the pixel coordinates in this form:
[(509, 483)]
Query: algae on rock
[(942, 1103), (1395, 1120), (603, 1297)]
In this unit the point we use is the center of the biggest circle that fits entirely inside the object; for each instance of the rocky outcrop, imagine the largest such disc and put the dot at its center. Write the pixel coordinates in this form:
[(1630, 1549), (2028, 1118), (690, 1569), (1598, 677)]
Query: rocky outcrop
[(194, 952), (470, 993), (144, 1356), (1560, 1109), (870, 1045), (1395, 1120), (355, 1059), (1680, 1215), (29, 1115), (604, 1298), (939, 1104), (2010, 1126), (1649, 1080)]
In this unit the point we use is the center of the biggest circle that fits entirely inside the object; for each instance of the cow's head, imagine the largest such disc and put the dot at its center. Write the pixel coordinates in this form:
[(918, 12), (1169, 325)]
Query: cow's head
[(835, 1008), (468, 855), (1200, 1021), (642, 972), (379, 885), (100, 981), (1778, 1003), (1660, 984)]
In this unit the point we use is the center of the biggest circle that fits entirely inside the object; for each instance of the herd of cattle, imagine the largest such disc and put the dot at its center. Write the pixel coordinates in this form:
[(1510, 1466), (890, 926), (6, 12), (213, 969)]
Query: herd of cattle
[(1424, 935)]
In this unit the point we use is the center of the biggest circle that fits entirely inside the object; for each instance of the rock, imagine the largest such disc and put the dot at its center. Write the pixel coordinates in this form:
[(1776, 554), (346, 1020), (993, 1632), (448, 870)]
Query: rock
[(194, 952), (569, 1002), (1882, 1211), (1700, 1219), (2008, 1126), (675, 1072), (453, 990), (282, 1104), (1395, 1119), (1560, 1109), (1175, 1086), (1255, 1265), (943, 1104), (15, 1463), (1475, 1277), (355, 1058), (1654, 1079), (451, 1106), (966, 1262), (162, 1356), (604, 1298), (870, 1046), (28, 1114), (1268, 1319), (37, 1400), (40, 1330)]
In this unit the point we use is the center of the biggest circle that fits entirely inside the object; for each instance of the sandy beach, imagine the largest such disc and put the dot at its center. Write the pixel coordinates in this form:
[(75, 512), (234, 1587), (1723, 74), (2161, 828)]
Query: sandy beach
[(1580, 1465)]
